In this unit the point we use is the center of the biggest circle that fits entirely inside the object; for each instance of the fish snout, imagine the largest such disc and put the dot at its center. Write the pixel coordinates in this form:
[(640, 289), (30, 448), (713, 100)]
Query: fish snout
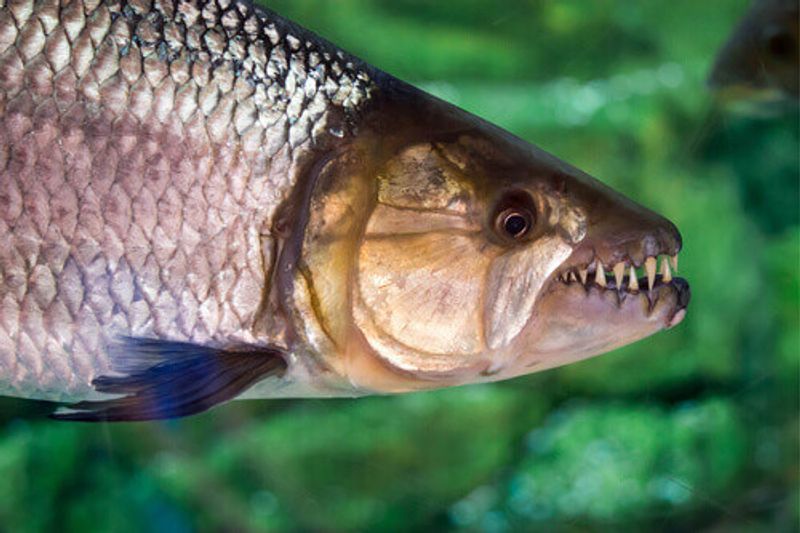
[(620, 230)]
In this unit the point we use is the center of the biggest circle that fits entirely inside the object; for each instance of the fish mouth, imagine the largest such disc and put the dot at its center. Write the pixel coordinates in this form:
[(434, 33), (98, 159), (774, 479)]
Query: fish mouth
[(593, 307), (630, 254), (649, 279)]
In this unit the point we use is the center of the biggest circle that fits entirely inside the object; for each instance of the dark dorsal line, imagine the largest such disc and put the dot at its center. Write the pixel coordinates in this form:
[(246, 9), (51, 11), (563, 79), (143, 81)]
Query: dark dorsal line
[(165, 379)]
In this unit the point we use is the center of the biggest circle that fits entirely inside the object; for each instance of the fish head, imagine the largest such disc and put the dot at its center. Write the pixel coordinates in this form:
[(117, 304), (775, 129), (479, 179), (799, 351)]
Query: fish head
[(760, 62), (443, 250)]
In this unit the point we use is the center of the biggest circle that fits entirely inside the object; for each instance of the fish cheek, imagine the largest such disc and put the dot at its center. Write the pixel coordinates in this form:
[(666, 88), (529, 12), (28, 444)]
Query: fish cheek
[(420, 298), (514, 283)]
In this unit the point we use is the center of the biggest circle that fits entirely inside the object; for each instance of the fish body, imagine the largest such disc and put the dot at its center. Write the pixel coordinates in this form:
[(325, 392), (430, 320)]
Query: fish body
[(201, 201), (760, 61), (146, 149)]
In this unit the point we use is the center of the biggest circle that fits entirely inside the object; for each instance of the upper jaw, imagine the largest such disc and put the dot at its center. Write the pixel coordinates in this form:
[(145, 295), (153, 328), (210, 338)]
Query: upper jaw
[(626, 245)]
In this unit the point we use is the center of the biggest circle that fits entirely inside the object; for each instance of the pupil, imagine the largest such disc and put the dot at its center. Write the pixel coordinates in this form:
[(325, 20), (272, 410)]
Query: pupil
[(780, 45), (515, 225)]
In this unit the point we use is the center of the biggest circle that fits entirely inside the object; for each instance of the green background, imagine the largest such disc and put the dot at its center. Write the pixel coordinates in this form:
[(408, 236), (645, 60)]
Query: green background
[(693, 429)]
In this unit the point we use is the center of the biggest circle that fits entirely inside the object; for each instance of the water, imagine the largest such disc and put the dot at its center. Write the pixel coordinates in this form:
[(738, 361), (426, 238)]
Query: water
[(693, 429)]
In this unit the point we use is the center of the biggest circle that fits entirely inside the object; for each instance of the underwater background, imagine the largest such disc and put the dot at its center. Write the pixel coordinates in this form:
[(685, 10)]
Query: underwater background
[(695, 429)]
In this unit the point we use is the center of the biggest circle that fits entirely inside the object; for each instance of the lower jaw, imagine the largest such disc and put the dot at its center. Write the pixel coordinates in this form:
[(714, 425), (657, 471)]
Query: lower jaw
[(575, 321)]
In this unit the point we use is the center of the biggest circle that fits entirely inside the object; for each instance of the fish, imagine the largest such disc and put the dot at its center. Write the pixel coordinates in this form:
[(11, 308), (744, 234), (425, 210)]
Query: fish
[(201, 201), (760, 62)]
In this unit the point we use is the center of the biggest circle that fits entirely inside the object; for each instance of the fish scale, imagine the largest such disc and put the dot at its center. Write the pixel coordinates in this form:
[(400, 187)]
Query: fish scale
[(145, 149)]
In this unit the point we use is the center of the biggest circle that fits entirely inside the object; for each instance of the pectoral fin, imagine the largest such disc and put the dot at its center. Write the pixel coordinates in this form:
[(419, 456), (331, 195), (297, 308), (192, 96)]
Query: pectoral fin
[(164, 379)]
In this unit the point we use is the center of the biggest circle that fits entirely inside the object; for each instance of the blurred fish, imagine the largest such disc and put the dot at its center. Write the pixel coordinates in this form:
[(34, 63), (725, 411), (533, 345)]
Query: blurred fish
[(201, 201), (761, 60)]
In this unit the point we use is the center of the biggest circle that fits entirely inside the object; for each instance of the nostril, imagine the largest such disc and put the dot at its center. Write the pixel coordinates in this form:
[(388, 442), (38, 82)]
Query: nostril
[(649, 246), (662, 240), (671, 240)]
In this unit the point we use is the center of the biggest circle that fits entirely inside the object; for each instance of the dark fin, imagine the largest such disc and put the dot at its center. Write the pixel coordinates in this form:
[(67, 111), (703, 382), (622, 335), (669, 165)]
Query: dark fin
[(164, 379)]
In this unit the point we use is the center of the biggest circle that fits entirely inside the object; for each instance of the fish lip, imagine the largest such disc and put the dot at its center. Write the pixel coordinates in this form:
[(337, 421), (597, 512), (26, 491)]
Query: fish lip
[(681, 286), (684, 292)]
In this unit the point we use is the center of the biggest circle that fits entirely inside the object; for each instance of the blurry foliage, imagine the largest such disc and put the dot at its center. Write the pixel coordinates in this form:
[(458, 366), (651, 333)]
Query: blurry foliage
[(617, 463), (693, 429)]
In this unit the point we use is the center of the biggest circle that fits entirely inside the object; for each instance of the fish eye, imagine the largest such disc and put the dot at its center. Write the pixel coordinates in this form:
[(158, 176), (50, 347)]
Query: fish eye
[(780, 45), (515, 218), (516, 224)]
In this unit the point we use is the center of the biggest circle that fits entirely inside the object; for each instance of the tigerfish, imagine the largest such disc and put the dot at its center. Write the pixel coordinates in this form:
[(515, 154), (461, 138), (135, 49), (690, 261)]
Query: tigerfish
[(201, 201), (761, 59)]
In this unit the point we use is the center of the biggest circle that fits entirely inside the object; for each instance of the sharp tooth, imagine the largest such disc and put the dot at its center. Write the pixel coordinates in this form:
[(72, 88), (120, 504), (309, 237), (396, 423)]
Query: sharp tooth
[(600, 275), (584, 274), (571, 276), (674, 261), (619, 273), (650, 268), (634, 281), (666, 275)]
